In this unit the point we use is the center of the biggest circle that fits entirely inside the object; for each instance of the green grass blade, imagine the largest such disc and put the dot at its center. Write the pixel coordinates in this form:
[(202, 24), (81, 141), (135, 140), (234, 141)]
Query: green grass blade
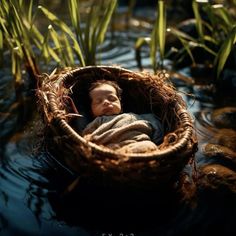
[(89, 30), (224, 51), (16, 66), (1, 40), (138, 45), (1, 48), (187, 46), (198, 18), (74, 13), (210, 39), (65, 29), (77, 50), (20, 3), (53, 18), (180, 34), (55, 38), (105, 21), (37, 36), (142, 41), (57, 44), (30, 11), (161, 28), (222, 13), (207, 49), (154, 43), (69, 59)]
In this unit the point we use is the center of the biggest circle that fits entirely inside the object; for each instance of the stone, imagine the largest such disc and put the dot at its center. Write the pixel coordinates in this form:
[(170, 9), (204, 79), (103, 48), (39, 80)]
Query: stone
[(224, 117)]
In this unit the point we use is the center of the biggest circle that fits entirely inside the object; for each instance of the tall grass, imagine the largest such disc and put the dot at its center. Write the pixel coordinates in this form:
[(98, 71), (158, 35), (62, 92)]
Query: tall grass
[(96, 25), (216, 33), (157, 40), (216, 36), (83, 40), (15, 22), (60, 44)]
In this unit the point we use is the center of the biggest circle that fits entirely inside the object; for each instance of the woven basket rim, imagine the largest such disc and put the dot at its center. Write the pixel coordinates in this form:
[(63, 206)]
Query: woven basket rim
[(180, 145)]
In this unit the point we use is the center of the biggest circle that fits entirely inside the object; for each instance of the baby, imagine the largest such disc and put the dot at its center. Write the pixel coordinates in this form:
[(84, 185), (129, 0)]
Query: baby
[(126, 132)]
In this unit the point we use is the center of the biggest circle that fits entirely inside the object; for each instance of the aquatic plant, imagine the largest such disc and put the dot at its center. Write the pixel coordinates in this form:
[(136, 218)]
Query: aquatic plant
[(87, 34), (216, 34), (58, 44), (16, 21), (21, 37), (157, 40)]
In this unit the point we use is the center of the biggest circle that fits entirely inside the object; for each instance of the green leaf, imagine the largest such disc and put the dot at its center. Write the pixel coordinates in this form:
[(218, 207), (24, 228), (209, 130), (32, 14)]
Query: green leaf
[(37, 37), (180, 34), (187, 45), (225, 50), (154, 43), (69, 53), (30, 11), (1, 40), (142, 41), (223, 13), (16, 67), (161, 28), (198, 18), (74, 13), (105, 21), (67, 30)]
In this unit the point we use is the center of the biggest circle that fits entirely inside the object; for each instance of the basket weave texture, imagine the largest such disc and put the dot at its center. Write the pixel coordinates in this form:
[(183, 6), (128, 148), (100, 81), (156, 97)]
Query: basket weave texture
[(63, 97)]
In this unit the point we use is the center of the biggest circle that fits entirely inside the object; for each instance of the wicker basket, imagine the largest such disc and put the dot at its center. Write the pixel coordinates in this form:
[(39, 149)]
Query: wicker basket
[(62, 94)]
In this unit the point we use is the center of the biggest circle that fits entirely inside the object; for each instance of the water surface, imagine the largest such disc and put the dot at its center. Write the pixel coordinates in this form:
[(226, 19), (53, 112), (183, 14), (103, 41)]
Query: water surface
[(33, 184)]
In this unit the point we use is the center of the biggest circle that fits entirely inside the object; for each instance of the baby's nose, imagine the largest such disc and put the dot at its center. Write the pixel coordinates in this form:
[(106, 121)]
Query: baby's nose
[(106, 102)]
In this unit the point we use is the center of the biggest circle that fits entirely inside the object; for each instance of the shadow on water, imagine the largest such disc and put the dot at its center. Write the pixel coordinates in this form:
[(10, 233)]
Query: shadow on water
[(33, 200)]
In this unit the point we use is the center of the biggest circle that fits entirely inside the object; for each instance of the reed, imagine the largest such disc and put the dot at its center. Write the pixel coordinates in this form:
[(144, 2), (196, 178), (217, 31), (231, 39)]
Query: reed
[(96, 24), (60, 44), (80, 41), (216, 34), (15, 21), (156, 41)]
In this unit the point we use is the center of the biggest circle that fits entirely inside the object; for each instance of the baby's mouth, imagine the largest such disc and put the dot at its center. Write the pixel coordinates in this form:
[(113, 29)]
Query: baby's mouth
[(108, 110)]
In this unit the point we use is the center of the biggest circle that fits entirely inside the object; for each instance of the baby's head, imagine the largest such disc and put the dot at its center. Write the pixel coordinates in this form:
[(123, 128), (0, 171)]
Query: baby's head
[(105, 98)]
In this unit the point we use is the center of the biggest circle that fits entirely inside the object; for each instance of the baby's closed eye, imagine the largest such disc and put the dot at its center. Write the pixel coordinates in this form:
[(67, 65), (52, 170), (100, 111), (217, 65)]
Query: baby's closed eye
[(97, 101), (112, 98)]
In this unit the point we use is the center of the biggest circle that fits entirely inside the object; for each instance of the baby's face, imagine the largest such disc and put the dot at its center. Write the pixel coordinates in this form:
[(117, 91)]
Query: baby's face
[(105, 101)]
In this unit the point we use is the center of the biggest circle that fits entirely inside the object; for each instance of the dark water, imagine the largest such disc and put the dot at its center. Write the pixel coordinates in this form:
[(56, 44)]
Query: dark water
[(33, 200)]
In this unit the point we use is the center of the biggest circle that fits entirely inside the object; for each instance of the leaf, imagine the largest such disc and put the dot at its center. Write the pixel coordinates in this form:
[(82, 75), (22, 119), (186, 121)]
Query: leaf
[(187, 45), (16, 67), (1, 40), (154, 43), (198, 18), (30, 11), (141, 41), (105, 21), (69, 52), (67, 30), (225, 16), (224, 51), (74, 13), (161, 28), (181, 34)]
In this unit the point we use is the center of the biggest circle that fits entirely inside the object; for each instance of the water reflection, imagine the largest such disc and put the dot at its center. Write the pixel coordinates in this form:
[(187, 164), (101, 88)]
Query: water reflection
[(33, 199), (25, 209)]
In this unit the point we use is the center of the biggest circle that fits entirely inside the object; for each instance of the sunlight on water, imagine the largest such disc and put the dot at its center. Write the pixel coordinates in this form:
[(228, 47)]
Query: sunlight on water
[(32, 184)]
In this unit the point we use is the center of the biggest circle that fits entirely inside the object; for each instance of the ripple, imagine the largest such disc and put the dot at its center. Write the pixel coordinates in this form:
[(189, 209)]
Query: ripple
[(204, 124)]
